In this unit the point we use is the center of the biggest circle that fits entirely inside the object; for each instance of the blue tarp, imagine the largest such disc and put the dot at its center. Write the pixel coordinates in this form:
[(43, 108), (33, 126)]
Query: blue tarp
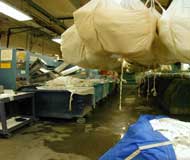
[(141, 134)]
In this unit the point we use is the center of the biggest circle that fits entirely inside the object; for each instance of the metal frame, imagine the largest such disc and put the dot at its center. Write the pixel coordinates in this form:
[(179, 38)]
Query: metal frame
[(7, 131), (46, 14)]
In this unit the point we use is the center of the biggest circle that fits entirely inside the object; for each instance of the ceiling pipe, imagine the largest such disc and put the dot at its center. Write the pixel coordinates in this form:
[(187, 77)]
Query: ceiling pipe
[(8, 37), (9, 32), (23, 29), (46, 14), (44, 25), (66, 18)]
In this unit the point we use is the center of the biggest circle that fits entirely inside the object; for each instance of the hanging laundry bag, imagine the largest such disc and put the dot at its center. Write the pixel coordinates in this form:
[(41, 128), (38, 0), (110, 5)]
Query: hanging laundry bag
[(125, 29), (84, 21), (119, 28), (74, 52), (72, 48), (174, 29)]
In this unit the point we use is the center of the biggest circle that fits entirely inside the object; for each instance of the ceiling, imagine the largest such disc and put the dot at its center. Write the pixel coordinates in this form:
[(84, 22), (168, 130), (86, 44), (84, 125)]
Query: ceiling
[(51, 17), (56, 8)]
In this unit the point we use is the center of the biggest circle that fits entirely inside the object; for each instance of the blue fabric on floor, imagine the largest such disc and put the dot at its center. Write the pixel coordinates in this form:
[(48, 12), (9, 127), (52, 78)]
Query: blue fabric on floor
[(141, 134)]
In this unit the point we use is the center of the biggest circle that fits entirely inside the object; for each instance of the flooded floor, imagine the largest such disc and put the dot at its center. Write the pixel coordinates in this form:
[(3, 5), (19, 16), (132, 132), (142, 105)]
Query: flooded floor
[(67, 140)]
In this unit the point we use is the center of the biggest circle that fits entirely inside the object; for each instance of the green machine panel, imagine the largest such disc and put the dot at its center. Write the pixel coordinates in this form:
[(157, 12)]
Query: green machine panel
[(14, 68)]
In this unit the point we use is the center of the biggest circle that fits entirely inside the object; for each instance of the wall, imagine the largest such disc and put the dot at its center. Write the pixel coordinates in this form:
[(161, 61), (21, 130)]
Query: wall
[(32, 43)]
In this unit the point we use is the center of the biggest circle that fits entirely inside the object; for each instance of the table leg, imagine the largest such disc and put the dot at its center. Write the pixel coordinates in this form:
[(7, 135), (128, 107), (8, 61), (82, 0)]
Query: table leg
[(3, 118), (33, 108)]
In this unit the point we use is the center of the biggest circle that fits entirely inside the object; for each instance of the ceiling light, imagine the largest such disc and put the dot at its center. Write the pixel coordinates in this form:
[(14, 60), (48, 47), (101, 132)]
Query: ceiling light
[(57, 40), (13, 13)]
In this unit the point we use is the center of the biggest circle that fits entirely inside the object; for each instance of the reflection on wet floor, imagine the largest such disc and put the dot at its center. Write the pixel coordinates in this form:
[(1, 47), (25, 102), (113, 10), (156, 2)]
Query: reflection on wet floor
[(67, 140)]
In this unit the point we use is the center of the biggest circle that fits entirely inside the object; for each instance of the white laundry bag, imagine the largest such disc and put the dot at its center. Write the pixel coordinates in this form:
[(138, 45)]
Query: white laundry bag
[(119, 28), (84, 21), (103, 62), (125, 29), (174, 29), (162, 55), (75, 52), (158, 53)]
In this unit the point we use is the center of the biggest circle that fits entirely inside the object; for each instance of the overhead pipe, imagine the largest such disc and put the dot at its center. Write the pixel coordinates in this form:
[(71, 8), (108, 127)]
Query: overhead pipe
[(46, 14), (26, 29), (41, 23), (8, 37), (9, 32), (66, 18)]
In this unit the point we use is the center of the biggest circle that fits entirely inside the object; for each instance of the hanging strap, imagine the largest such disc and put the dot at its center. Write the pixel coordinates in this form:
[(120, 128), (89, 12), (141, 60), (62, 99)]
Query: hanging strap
[(152, 4), (159, 5), (148, 85), (150, 146), (70, 101), (121, 84), (154, 85), (148, 89), (146, 4)]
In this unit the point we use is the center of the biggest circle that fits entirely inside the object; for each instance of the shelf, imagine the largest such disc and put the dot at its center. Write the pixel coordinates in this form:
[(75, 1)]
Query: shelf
[(13, 123)]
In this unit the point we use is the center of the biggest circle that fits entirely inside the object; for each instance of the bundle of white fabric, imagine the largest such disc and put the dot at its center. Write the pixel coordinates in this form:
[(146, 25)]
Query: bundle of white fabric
[(106, 30), (75, 52), (110, 28), (177, 132), (174, 27)]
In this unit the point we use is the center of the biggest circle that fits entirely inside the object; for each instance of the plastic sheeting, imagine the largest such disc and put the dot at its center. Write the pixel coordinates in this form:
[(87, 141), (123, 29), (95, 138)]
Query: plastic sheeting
[(141, 142), (153, 138), (174, 27)]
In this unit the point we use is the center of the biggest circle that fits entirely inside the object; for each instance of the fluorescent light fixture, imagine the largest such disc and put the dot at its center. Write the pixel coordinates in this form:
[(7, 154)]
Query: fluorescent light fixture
[(57, 40), (13, 13)]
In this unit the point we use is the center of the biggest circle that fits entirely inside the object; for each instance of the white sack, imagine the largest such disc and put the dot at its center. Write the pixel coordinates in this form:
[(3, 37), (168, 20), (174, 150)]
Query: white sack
[(174, 29), (162, 55), (72, 49), (74, 52), (125, 29), (102, 62), (84, 21)]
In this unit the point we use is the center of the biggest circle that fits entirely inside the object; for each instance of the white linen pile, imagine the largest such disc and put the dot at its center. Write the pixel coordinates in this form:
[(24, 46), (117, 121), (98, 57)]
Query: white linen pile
[(177, 132)]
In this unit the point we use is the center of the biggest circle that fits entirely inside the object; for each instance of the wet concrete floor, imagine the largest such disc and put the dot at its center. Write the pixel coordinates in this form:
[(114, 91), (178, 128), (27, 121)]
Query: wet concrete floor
[(67, 140)]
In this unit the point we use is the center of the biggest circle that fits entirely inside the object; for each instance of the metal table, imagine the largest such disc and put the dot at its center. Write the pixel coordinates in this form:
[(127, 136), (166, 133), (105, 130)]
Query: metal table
[(9, 124)]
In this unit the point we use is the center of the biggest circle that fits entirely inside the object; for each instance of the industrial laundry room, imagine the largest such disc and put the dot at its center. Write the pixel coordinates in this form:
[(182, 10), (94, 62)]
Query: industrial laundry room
[(94, 80)]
